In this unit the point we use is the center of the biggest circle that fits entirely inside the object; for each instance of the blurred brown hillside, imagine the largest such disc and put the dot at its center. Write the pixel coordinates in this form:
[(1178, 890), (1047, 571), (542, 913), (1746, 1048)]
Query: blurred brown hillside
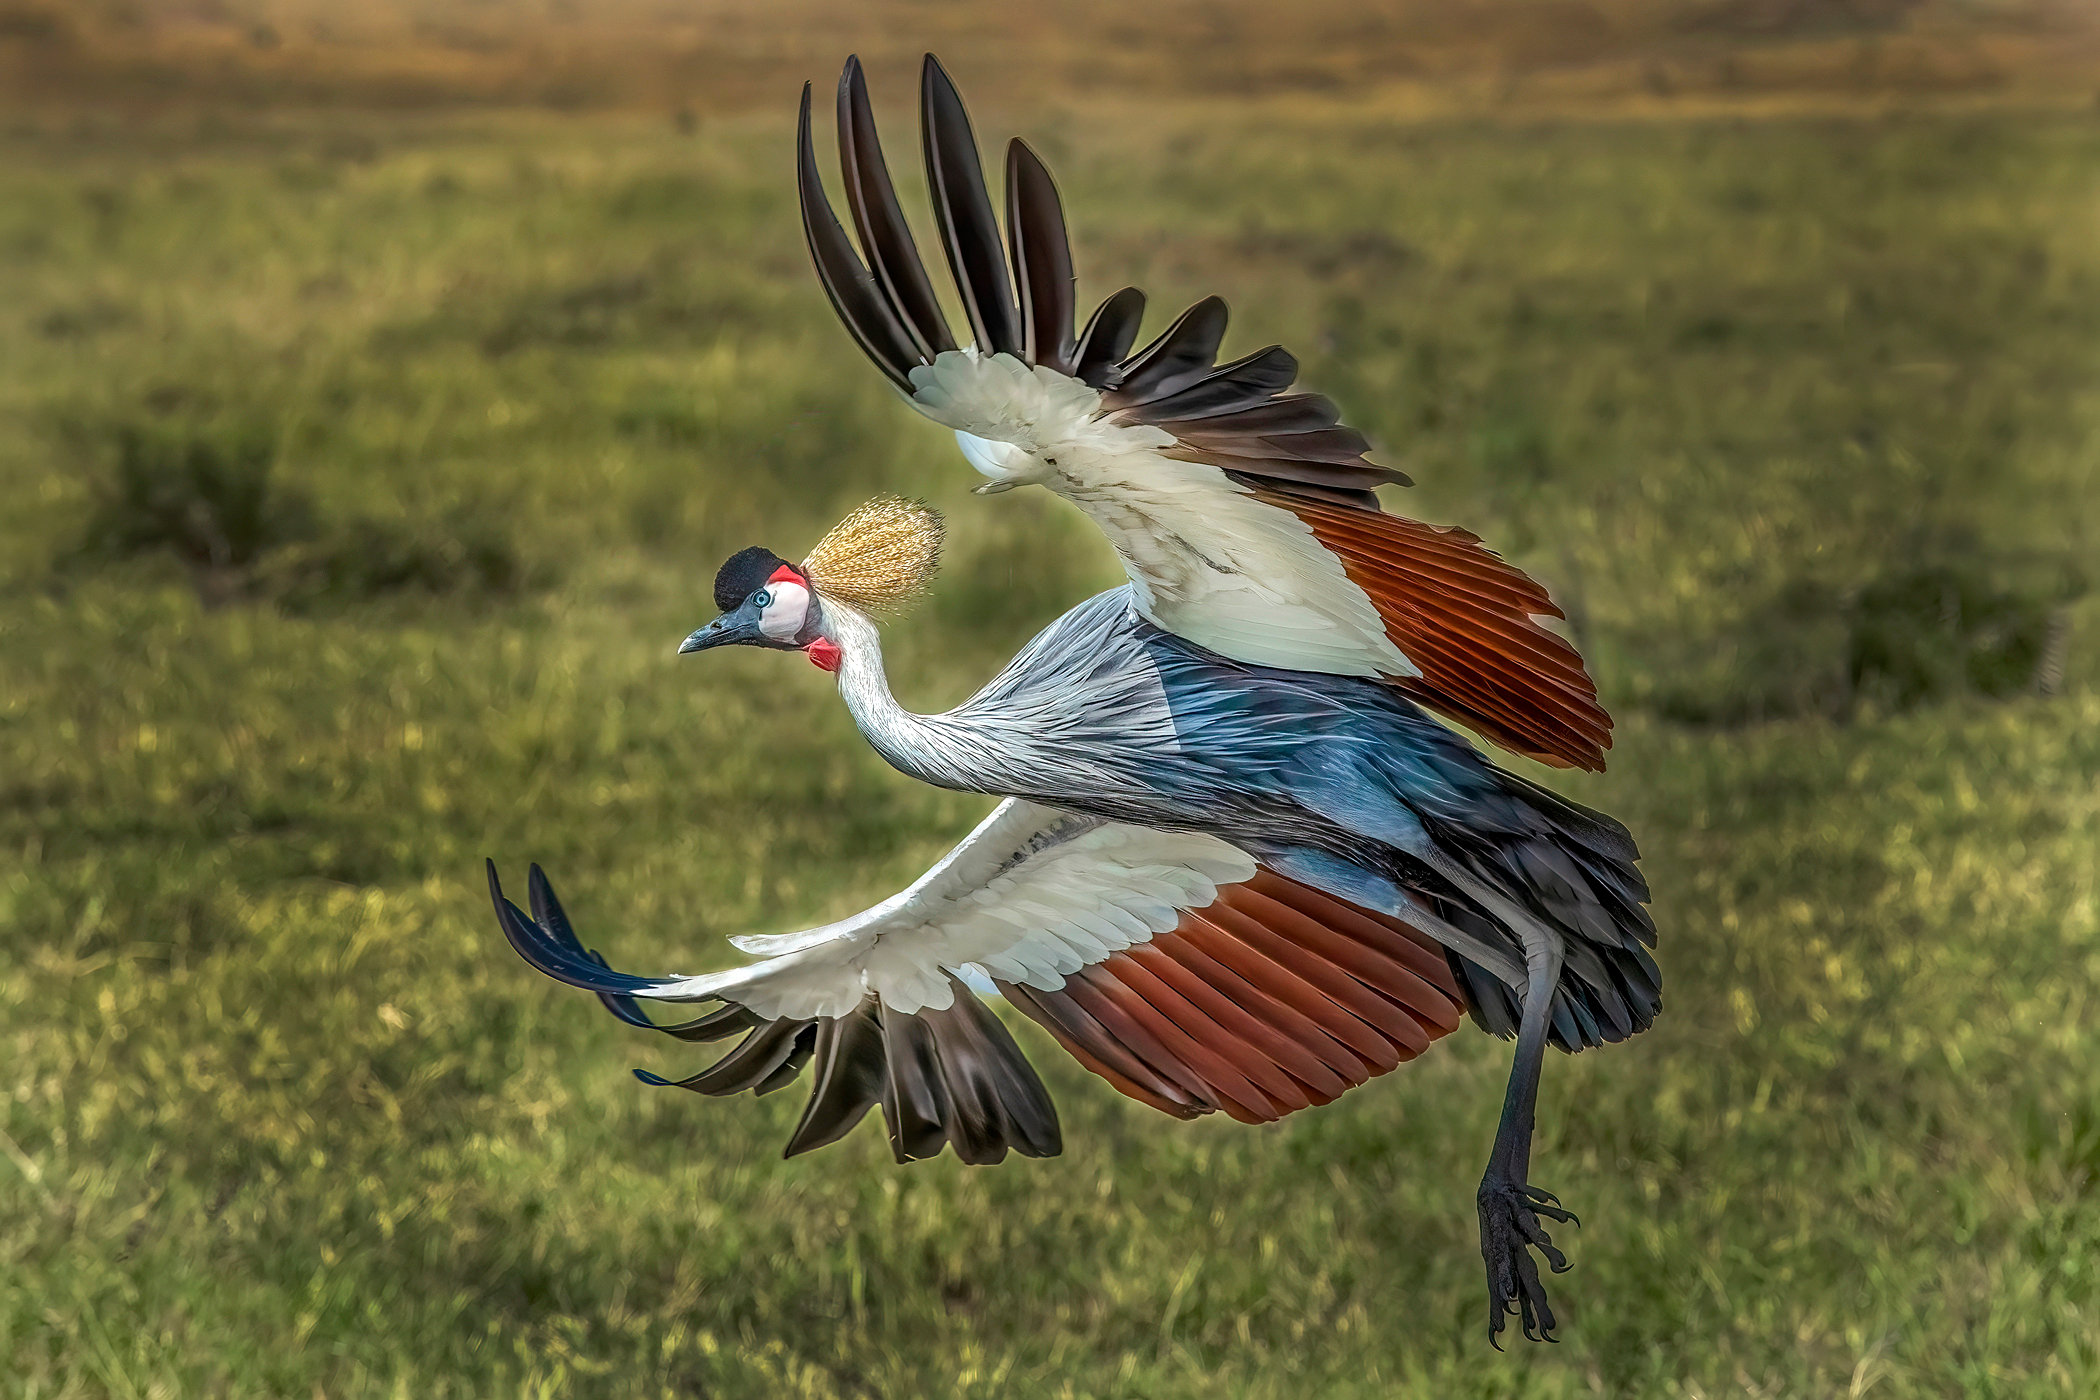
[(721, 55)]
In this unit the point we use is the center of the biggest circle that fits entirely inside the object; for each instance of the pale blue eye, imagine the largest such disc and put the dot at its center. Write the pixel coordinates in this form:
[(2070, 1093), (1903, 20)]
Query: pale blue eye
[(762, 598)]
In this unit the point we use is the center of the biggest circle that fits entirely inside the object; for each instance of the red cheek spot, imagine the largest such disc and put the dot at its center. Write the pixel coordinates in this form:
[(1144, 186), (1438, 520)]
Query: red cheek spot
[(823, 654), (787, 573)]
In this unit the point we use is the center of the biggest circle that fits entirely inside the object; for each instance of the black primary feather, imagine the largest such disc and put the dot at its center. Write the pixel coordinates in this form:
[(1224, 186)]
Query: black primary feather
[(915, 1102), (851, 1071), (1035, 225), (884, 236), (1185, 352), (963, 208), (1280, 416), (1244, 384), (855, 294), (1109, 334), (943, 1078)]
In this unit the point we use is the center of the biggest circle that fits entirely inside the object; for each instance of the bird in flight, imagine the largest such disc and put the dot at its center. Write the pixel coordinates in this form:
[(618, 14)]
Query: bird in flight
[(1236, 867)]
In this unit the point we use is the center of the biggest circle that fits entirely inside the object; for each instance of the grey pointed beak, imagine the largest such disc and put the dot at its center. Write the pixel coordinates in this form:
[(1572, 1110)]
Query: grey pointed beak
[(708, 636), (724, 631), (993, 488), (737, 628)]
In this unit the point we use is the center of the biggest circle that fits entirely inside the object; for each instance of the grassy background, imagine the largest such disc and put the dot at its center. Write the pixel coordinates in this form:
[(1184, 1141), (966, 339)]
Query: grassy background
[(361, 472), (708, 56)]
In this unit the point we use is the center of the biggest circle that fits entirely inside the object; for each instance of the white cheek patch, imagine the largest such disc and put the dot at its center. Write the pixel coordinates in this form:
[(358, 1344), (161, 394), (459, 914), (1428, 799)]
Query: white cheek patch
[(782, 618)]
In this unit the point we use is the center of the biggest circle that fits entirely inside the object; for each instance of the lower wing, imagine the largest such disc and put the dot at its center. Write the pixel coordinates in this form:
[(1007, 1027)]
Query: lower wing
[(1167, 963)]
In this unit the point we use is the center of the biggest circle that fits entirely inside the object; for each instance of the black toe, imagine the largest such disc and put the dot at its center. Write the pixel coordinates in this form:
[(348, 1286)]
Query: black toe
[(1510, 1229)]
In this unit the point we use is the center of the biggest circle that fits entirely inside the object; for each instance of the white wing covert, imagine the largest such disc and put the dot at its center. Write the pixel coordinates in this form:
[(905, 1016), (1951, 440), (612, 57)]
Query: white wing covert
[(1031, 895)]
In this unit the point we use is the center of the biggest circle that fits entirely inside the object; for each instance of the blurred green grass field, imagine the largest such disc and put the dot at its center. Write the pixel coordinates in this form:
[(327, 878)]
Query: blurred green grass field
[(358, 477)]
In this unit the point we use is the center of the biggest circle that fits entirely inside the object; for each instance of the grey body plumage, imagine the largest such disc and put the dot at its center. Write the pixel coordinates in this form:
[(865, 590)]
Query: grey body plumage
[(1341, 783)]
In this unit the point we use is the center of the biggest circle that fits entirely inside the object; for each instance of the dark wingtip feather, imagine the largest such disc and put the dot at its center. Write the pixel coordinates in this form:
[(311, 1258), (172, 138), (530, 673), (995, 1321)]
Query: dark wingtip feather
[(1109, 334), (885, 237), (962, 206), (943, 1079), (1008, 1102), (854, 293), (1184, 353), (560, 956), (790, 1069), (849, 1078), (553, 920), (753, 1062), (1042, 254), (539, 890)]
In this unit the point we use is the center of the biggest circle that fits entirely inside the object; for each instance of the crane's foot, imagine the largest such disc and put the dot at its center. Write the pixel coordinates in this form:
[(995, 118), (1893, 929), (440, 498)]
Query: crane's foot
[(1509, 1231)]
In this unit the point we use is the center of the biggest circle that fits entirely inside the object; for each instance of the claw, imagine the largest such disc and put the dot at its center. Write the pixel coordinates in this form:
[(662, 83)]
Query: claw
[(1510, 1230), (1545, 1203)]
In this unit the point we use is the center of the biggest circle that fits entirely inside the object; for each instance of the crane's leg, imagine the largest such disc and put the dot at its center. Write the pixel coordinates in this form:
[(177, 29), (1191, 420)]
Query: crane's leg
[(1510, 1206)]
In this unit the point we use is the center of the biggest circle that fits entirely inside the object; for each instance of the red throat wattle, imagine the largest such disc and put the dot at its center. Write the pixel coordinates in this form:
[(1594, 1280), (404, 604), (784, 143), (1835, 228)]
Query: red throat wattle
[(823, 654)]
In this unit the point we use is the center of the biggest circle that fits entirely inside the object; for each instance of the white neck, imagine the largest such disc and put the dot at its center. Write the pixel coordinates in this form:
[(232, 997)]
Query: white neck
[(914, 744), (1081, 710)]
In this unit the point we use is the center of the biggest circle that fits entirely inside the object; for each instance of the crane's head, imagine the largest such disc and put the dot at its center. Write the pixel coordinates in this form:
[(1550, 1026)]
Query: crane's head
[(876, 560)]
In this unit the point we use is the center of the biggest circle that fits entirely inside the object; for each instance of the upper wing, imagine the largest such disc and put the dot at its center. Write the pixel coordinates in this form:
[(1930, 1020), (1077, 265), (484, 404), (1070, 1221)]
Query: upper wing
[(1246, 515), (1164, 961)]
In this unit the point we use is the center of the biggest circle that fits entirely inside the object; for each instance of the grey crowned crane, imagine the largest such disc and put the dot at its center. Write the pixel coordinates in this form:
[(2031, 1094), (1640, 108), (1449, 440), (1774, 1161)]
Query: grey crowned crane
[(1238, 869)]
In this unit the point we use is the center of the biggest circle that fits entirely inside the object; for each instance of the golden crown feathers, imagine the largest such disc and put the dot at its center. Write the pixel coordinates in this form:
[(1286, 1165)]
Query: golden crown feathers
[(880, 558)]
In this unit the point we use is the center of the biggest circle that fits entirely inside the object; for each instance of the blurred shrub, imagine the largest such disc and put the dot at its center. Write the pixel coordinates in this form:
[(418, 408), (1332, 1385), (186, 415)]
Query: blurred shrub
[(86, 319), (1912, 635), (181, 477), (1929, 632), (366, 558), (201, 490), (1778, 658)]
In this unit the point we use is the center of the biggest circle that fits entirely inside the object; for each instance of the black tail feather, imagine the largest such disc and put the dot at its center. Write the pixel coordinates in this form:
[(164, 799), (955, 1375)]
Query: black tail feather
[(1572, 868)]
